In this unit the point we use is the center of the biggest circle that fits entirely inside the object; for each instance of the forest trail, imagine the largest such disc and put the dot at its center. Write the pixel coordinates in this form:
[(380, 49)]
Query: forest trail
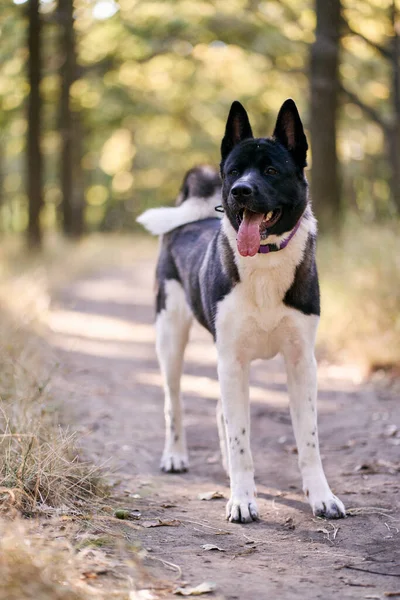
[(102, 328)]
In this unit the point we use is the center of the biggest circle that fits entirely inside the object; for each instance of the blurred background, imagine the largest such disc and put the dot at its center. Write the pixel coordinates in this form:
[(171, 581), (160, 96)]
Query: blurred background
[(106, 103)]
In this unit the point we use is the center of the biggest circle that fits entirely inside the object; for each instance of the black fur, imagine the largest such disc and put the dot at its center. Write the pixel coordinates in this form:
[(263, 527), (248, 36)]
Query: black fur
[(165, 270), (252, 157), (289, 131), (199, 256), (237, 129), (200, 182), (304, 291), (182, 256)]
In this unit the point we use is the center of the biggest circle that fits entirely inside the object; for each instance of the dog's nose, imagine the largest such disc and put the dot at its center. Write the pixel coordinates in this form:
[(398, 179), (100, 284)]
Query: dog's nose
[(241, 190)]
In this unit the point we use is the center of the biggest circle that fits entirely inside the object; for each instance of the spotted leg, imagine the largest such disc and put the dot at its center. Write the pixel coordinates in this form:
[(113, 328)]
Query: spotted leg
[(234, 382), (302, 385)]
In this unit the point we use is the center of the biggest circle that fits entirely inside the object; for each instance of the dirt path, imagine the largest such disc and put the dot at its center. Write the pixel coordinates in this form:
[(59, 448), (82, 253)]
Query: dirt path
[(102, 325)]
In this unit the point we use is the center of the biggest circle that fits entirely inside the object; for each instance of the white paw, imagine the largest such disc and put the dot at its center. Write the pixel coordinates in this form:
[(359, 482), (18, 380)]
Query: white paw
[(174, 461), (241, 510), (327, 506)]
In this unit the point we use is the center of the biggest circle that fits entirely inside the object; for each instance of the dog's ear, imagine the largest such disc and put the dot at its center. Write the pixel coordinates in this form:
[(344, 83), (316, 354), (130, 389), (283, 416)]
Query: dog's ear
[(237, 129), (289, 132)]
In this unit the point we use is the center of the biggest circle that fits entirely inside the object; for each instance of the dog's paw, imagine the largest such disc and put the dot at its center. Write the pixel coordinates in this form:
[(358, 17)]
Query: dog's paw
[(329, 507), (241, 510), (174, 462)]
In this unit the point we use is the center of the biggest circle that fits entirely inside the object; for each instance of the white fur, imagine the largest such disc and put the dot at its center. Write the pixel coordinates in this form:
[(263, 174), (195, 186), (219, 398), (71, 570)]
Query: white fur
[(252, 322), (161, 220), (223, 442), (262, 328), (172, 332)]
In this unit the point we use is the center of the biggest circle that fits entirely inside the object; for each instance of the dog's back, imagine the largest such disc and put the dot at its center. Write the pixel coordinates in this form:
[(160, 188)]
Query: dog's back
[(190, 232)]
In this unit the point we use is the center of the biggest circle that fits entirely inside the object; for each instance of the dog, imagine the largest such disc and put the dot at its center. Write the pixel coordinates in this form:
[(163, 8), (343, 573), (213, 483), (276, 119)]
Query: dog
[(250, 278)]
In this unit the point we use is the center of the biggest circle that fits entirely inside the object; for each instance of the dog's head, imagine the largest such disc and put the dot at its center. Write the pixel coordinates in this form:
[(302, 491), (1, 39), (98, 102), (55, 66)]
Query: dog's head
[(200, 182), (264, 190)]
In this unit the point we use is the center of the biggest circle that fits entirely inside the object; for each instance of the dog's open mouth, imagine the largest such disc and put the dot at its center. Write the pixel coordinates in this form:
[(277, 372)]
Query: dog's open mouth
[(253, 227), (269, 219)]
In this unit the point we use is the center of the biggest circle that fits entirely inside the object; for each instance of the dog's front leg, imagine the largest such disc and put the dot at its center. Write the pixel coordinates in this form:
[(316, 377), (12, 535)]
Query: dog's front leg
[(302, 385), (234, 382)]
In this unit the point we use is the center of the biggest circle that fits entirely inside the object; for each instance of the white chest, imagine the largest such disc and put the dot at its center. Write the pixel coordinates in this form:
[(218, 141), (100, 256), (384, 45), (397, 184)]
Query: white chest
[(253, 317)]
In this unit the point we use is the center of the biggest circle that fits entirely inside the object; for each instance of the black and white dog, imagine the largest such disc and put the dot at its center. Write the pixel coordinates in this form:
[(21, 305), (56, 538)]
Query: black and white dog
[(251, 280)]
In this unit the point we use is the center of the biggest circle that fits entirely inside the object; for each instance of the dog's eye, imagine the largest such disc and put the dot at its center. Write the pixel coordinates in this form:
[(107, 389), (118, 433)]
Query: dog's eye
[(270, 171), (233, 172)]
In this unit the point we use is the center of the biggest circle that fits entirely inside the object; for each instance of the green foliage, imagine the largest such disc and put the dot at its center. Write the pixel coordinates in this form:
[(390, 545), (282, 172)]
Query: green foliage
[(156, 80)]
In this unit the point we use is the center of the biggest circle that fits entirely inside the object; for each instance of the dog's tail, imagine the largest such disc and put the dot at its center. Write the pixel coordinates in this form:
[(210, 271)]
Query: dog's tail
[(199, 195)]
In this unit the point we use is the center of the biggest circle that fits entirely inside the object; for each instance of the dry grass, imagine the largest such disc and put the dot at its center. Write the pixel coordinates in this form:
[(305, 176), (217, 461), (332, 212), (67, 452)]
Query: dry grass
[(360, 285), (41, 470), (40, 465), (32, 568), (38, 566)]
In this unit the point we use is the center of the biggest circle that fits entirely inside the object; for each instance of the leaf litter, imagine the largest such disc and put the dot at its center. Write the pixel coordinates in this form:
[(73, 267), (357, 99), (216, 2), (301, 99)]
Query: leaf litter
[(212, 547), (204, 588), (211, 495), (161, 523)]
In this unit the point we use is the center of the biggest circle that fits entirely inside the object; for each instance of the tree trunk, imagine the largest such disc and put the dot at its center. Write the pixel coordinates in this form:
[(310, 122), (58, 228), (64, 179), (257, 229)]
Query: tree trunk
[(70, 129), (34, 156), (393, 133), (325, 185)]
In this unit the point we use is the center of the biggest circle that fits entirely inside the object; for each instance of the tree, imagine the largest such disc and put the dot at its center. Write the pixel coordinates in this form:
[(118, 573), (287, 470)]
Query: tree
[(325, 185), (393, 133), (72, 191), (33, 154), (390, 53)]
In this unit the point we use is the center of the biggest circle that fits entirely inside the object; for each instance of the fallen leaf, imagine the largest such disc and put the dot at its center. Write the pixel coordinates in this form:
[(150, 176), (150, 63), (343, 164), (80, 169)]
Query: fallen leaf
[(290, 449), (379, 466), (161, 523), (204, 588), (289, 523), (212, 547), (125, 514), (210, 495)]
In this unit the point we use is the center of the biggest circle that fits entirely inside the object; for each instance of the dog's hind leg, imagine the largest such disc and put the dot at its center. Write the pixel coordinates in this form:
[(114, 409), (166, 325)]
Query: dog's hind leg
[(172, 333), (223, 440), (298, 352)]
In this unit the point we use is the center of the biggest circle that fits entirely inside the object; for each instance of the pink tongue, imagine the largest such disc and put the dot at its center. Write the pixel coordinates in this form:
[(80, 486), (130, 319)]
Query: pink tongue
[(248, 239)]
